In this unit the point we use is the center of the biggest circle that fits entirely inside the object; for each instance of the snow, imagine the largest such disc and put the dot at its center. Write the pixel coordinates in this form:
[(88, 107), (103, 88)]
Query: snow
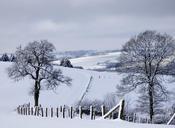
[(92, 62), (13, 94), (38, 122)]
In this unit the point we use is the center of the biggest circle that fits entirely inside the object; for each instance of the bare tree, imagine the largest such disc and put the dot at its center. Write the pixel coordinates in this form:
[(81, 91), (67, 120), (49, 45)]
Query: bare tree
[(144, 57), (35, 61)]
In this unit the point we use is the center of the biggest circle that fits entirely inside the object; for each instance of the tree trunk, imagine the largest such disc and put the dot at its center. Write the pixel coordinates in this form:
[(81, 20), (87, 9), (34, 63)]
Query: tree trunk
[(36, 94), (151, 102), (36, 98)]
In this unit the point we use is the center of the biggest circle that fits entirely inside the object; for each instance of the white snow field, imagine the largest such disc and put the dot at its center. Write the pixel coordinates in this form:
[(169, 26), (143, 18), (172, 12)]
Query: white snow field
[(93, 62), (13, 94)]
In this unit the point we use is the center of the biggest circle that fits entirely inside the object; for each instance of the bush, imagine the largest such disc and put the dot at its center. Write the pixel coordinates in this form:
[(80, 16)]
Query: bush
[(65, 62), (5, 57)]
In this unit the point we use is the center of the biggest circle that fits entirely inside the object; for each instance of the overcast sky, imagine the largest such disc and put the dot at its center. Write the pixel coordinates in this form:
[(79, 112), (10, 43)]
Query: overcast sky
[(82, 24)]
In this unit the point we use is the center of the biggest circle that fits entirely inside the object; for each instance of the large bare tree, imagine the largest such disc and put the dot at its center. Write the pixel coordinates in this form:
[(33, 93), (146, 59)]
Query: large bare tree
[(144, 58), (36, 62)]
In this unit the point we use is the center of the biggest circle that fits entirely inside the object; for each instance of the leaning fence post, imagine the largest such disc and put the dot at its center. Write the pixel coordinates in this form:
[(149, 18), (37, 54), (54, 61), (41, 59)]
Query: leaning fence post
[(121, 110), (171, 119), (80, 112), (91, 112)]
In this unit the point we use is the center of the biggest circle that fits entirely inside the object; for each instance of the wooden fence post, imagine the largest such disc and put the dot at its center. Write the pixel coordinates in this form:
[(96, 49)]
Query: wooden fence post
[(94, 115), (28, 110), (91, 112), (57, 112), (37, 111), (102, 110), (147, 120), (42, 112), (51, 112), (121, 110), (139, 119), (71, 112), (18, 109), (134, 117), (21, 110), (80, 112), (46, 112), (171, 119), (24, 111), (32, 111), (63, 111)]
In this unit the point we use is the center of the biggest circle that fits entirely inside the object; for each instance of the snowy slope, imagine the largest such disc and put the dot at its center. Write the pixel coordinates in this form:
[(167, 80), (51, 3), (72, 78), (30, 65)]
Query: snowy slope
[(34, 122), (13, 94), (95, 62), (101, 84)]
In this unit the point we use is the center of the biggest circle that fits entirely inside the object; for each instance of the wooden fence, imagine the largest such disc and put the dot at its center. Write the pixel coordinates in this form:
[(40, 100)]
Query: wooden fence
[(70, 112), (60, 112), (136, 119), (80, 112)]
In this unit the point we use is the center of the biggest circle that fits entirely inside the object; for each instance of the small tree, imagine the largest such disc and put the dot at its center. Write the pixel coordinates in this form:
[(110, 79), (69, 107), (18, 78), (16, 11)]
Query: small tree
[(35, 61), (12, 58), (144, 57), (5, 57), (65, 62)]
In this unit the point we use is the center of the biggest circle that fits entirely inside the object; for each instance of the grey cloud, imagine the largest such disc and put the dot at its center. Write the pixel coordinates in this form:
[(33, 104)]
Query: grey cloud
[(82, 24)]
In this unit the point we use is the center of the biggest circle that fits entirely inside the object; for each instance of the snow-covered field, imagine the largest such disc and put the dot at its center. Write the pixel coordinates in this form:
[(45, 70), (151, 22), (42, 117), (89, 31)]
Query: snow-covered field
[(13, 94), (94, 62)]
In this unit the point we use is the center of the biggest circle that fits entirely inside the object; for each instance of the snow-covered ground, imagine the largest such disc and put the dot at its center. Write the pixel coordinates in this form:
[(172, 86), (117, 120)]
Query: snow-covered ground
[(95, 62), (13, 94)]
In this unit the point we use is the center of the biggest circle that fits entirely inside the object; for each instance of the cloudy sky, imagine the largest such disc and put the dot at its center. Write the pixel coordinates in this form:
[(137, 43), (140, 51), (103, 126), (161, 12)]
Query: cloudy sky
[(82, 24)]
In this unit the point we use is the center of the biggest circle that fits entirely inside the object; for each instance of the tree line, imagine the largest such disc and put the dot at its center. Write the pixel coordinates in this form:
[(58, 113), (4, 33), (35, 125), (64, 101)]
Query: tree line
[(7, 58)]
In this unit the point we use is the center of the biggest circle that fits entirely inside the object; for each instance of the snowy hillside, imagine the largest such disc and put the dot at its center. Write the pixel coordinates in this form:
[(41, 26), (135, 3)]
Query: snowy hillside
[(101, 84), (14, 93), (96, 62)]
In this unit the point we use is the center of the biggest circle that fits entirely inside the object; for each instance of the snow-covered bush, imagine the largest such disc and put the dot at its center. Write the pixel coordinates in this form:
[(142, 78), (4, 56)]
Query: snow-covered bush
[(5, 57), (110, 100), (65, 62)]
